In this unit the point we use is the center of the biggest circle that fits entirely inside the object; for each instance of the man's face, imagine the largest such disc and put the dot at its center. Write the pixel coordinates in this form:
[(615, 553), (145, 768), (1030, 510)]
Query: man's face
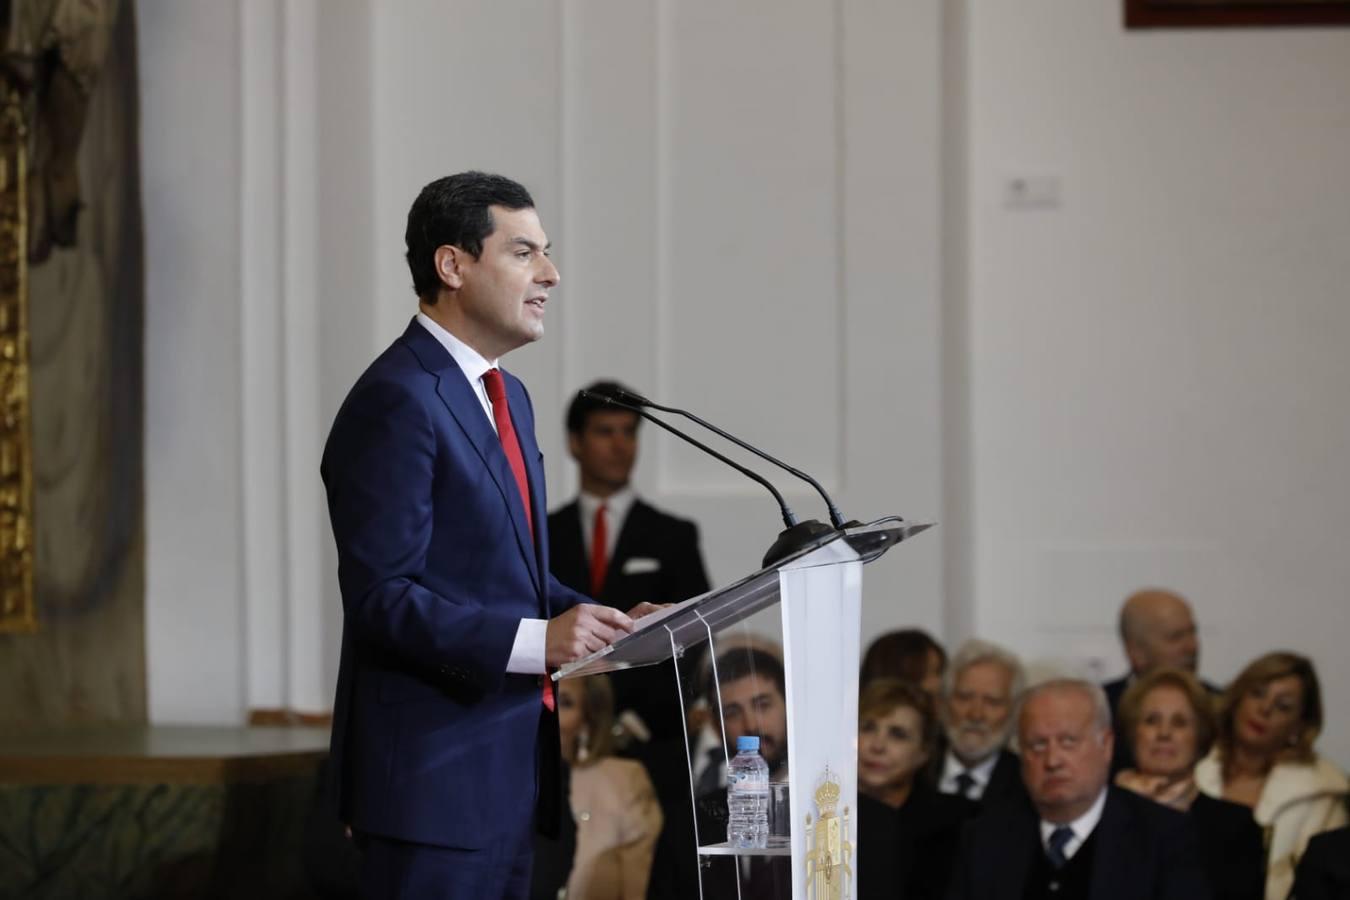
[(1065, 759), (605, 450), (978, 711), (1166, 638), (754, 706), (500, 295)]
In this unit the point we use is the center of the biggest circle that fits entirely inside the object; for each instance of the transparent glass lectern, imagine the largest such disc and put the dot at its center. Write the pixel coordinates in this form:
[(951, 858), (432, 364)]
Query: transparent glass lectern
[(818, 591)]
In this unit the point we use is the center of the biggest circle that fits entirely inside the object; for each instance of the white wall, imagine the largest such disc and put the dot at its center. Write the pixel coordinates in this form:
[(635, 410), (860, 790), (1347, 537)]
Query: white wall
[(190, 173), (1158, 367)]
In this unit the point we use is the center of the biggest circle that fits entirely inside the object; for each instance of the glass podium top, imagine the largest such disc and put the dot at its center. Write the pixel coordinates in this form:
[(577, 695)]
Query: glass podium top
[(690, 623)]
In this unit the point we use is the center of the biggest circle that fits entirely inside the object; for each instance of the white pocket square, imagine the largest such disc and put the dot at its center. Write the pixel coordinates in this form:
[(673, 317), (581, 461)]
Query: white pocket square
[(640, 564)]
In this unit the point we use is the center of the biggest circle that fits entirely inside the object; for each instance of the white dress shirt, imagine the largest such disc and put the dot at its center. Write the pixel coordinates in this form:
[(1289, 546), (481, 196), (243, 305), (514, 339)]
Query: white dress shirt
[(981, 774), (617, 505), (1081, 827), (527, 652)]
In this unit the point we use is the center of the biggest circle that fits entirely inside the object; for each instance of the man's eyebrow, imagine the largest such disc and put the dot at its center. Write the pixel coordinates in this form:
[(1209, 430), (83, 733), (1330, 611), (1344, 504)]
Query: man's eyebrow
[(533, 245)]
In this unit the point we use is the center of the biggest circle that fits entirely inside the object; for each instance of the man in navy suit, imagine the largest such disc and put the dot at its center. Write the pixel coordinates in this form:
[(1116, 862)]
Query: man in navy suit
[(445, 740), (1079, 838)]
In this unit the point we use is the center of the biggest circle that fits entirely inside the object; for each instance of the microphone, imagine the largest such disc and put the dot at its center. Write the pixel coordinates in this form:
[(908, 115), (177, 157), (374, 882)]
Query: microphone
[(789, 518), (797, 535), (836, 519)]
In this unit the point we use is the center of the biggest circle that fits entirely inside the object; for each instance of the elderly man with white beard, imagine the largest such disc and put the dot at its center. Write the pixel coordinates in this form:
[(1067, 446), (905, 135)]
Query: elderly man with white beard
[(980, 692)]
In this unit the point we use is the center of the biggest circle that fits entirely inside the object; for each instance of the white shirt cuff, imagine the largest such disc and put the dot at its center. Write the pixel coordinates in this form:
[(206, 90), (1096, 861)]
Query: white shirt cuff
[(527, 653)]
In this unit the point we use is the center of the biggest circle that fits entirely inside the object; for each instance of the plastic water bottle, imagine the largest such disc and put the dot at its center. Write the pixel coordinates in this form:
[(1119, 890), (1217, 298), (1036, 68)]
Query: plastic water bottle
[(748, 796)]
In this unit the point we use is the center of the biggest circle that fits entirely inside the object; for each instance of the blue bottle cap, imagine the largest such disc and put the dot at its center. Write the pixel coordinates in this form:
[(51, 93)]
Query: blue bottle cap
[(747, 742)]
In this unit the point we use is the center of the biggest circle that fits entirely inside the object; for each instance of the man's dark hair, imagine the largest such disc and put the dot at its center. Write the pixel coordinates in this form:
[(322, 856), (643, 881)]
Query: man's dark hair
[(743, 662), (454, 210), (580, 409)]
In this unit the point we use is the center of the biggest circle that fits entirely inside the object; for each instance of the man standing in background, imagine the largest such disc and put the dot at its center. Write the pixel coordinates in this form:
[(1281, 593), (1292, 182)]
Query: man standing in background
[(611, 545)]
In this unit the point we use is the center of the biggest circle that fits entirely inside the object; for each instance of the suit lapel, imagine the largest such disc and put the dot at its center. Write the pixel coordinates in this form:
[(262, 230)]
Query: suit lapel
[(634, 523), (534, 474), (567, 550), (1018, 855), (1115, 862), (453, 389)]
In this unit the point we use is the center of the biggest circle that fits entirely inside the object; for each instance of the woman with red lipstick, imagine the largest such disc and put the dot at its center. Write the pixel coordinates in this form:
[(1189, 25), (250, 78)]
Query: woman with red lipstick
[(1263, 758), (1167, 718), (897, 731)]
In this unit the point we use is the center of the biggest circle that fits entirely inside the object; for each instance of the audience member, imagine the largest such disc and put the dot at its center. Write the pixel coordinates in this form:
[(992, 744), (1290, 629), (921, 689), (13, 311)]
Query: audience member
[(1157, 631), (910, 655), (983, 682), (615, 817), (1079, 837), (752, 702), (1168, 719), (1264, 759), (897, 732), (1324, 871)]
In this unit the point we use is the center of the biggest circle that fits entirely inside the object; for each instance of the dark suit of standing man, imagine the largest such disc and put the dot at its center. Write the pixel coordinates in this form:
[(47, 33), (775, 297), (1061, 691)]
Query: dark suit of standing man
[(444, 738)]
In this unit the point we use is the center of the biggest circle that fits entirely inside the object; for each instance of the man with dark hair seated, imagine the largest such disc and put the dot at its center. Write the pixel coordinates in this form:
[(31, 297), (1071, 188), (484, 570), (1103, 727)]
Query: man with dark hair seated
[(752, 698)]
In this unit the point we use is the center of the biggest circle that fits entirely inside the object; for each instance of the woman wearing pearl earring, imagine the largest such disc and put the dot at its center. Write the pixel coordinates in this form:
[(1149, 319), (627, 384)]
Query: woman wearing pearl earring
[(1263, 758)]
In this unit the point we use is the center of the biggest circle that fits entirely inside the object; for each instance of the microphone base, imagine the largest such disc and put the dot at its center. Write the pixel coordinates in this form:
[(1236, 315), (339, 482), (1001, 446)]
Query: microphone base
[(798, 537)]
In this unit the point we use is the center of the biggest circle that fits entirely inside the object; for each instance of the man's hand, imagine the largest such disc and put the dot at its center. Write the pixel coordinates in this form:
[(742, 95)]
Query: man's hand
[(646, 609), (583, 629)]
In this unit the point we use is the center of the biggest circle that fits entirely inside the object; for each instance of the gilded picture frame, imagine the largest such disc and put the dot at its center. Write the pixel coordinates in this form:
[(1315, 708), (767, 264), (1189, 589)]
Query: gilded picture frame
[(17, 608)]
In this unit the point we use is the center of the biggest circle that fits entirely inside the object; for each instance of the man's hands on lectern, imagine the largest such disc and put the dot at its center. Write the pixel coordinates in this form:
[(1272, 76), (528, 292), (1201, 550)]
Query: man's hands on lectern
[(583, 629), (646, 609)]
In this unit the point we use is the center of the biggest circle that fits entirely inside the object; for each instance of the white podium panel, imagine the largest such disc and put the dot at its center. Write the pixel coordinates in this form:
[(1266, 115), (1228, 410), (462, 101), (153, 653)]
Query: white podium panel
[(821, 598)]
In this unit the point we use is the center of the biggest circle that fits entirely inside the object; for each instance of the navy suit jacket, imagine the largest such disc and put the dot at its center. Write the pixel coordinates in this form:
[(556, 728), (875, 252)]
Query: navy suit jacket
[(1144, 852), (433, 742)]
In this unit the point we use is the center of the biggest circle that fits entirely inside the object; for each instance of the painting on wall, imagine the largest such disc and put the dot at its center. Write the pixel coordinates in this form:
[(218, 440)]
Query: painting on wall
[(1234, 13), (72, 629)]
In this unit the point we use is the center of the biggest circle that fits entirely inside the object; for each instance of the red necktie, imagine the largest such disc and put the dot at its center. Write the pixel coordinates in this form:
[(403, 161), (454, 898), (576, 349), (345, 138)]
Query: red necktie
[(501, 412), (599, 546), (506, 430)]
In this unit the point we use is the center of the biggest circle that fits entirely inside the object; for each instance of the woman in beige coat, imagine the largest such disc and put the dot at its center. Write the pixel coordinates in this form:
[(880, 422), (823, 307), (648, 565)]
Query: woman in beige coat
[(613, 803), (1264, 758)]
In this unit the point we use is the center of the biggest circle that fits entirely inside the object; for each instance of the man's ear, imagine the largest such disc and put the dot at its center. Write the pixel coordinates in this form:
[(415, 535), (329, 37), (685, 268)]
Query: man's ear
[(1137, 656), (574, 445), (449, 260)]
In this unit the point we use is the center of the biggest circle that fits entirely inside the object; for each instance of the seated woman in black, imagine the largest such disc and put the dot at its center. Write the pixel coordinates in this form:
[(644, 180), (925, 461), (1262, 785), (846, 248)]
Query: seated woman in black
[(1168, 719), (897, 730)]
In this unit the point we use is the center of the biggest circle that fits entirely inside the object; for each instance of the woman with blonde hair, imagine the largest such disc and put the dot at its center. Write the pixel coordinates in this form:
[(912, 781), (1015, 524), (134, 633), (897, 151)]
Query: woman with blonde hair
[(1263, 758), (612, 801)]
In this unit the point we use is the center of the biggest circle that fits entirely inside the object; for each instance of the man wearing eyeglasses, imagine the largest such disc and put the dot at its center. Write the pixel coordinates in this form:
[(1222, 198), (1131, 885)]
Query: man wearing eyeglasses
[(1079, 839)]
